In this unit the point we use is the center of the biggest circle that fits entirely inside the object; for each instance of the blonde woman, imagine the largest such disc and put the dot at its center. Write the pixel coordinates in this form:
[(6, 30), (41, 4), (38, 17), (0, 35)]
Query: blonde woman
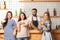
[(45, 25)]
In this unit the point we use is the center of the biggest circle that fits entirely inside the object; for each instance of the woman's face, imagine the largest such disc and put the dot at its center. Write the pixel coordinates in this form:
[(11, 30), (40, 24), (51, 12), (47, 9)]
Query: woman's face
[(22, 16), (45, 16), (9, 15)]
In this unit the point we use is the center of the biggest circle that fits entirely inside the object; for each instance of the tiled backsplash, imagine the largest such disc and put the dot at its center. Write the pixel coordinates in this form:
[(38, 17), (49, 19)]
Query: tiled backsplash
[(40, 6), (27, 6), (55, 21)]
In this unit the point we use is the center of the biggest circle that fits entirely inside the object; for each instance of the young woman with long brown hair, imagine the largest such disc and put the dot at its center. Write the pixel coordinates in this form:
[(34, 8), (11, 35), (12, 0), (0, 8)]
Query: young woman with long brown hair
[(9, 26), (22, 27)]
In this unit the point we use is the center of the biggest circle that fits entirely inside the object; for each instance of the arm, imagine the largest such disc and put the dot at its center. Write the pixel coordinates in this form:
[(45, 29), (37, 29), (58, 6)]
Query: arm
[(33, 26), (14, 25), (49, 26), (15, 32), (15, 28), (18, 27), (26, 23), (42, 24)]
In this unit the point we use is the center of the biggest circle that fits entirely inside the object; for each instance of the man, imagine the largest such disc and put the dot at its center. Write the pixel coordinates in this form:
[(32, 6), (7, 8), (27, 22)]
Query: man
[(34, 19)]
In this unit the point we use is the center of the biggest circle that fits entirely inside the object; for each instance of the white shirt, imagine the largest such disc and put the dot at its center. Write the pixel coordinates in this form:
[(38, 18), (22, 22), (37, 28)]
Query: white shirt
[(24, 32), (34, 18)]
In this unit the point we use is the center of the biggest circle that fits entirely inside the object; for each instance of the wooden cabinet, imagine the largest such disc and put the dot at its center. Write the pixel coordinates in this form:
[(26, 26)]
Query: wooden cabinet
[(25, 0), (39, 0), (1, 35), (56, 34), (35, 35), (47, 0)]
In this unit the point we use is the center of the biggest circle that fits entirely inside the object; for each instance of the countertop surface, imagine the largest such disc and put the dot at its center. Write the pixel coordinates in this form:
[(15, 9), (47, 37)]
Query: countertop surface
[(31, 31), (36, 31), (1, 31)]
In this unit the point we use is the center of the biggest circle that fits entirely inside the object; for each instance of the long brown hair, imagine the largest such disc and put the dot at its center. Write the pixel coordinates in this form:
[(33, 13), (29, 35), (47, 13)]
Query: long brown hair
[(48, 16), (49, 19), (6, 19), (19, 19)]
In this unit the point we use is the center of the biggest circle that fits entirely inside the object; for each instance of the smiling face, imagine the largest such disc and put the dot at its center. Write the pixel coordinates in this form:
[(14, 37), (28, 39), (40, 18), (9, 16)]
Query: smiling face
[(34, 12), (46, 16), (22, 16), (9, 15)]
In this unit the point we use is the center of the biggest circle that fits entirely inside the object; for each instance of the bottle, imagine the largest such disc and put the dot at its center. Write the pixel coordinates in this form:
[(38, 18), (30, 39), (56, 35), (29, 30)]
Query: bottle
[(4, 5), (16, 14), (54, 11), (20, 10)]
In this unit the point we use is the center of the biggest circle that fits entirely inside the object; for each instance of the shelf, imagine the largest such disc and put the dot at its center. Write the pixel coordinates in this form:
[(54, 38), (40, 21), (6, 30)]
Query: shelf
[(52, 16), (56, 31), (35, 31), (1, 31), (46, 0), (3, 9), (15, 16), (25, 0), (42, 17), (39, 0)]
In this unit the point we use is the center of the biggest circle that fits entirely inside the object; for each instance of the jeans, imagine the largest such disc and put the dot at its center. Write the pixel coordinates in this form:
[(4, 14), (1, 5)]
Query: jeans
[(25, 38)]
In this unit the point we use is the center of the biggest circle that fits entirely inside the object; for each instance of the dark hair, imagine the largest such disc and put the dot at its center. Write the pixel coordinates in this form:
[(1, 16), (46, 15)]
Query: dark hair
[(6, 19), (48, 16), (34, 9), (19, 19)]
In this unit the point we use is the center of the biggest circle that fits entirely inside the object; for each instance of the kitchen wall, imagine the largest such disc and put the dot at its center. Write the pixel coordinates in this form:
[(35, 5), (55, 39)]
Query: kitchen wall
[(27, 6)]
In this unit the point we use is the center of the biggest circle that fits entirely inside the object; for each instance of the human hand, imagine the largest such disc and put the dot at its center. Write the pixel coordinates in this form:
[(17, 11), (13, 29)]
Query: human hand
[(41, 23)]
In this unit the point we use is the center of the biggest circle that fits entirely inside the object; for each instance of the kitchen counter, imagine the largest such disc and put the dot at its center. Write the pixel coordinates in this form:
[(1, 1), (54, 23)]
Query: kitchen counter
[(1, 34), (36, 34), (1, 31), (56, 34)]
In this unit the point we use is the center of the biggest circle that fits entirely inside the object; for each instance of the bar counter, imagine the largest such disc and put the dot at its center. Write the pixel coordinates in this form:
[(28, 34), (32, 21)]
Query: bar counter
[(36, 34)]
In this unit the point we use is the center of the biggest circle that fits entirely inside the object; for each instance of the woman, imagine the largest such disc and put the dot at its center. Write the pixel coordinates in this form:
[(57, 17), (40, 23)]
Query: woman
[(22, 27), (46, 27), (9, 26)]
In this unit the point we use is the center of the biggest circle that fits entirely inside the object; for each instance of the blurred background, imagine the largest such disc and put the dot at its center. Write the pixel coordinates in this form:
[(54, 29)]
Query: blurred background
[(16, 6), (52, 6)]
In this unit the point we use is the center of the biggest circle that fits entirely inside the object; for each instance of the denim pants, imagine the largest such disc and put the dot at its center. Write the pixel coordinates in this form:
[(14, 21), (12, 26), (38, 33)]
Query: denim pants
[(25, 38)]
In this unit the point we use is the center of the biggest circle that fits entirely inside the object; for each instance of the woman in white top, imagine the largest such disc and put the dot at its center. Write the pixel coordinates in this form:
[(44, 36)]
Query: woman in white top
[(22, 27)]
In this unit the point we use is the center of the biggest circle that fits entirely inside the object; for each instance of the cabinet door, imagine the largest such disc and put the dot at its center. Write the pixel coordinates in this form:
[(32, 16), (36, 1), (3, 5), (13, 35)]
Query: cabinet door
[(1, 36), (47, 0), (25, 0)]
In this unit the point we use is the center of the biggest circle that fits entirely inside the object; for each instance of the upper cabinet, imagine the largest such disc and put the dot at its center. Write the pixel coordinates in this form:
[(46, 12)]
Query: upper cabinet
[(25, 0), (39, 0), (47, 0)]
